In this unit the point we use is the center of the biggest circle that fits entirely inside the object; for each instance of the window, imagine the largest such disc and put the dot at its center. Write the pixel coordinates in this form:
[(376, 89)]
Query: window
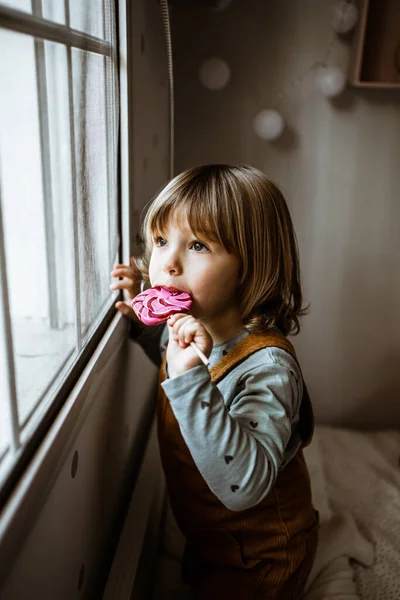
[(58, 200)]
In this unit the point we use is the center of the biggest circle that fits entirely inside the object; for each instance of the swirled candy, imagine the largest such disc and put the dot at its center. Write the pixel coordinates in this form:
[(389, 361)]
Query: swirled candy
[(155, 305)]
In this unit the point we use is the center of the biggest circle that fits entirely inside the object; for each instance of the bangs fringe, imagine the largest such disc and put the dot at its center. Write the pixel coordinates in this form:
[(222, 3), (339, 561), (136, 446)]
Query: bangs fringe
[(203, 213)]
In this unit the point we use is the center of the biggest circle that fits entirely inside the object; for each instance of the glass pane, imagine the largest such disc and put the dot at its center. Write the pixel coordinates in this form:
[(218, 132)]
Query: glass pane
[(92, 182), (87, 16), (54, 10), (36, 238), (25, 5), (60, 196)]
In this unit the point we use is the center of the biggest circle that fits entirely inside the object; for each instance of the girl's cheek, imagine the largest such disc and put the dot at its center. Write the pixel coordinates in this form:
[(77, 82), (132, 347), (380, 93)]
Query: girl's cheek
[(152, 268)]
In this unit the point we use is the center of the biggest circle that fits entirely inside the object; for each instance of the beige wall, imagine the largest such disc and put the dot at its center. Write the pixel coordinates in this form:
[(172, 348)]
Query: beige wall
[(338, 165)]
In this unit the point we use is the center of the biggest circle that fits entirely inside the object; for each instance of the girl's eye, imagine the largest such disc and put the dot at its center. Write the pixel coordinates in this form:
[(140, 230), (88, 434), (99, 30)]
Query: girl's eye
[(159, 241), (199, 247)]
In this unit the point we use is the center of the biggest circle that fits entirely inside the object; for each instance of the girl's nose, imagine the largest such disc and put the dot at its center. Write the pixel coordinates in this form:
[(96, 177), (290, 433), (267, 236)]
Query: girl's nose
[(172, 265)]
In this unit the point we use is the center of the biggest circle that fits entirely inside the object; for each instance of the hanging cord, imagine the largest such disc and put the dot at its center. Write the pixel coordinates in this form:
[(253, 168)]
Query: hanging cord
[(167, 34)]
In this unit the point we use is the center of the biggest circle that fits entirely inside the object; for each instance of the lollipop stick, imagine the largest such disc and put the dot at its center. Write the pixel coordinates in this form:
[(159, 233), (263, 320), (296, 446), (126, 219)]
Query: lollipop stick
[(200, 354)]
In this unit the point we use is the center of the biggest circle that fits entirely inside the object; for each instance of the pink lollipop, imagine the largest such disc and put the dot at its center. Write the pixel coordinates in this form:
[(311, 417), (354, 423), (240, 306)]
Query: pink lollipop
[(155, 305)]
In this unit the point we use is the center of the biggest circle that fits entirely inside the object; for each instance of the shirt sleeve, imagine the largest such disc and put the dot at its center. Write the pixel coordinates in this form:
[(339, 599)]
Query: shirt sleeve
[(237, 451)]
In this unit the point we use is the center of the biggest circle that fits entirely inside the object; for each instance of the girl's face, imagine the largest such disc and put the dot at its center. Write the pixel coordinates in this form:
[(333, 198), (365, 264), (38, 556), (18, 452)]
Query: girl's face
[(198, 266)]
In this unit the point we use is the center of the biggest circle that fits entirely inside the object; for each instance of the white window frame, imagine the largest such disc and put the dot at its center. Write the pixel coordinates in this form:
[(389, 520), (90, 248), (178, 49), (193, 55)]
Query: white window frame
[(20, 481)]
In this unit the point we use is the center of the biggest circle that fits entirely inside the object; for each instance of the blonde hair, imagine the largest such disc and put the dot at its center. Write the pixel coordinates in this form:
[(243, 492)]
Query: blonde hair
[(239, 207)]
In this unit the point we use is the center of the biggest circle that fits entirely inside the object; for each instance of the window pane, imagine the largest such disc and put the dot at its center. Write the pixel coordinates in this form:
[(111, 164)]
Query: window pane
[(59, 158), (58, 191), (25, 5), (54, 10), (36, 238), (87, 16), (92, 181)]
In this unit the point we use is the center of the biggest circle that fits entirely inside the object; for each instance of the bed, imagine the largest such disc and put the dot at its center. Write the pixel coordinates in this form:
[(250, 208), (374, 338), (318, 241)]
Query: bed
[(355, 478)]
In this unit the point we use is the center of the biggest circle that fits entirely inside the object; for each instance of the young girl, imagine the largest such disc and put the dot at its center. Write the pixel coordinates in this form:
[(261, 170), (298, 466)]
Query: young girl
[(230, 436)]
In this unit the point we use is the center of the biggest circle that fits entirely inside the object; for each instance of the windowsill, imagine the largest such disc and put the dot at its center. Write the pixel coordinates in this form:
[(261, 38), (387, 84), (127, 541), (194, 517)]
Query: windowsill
[(43, 358), (39, 355)]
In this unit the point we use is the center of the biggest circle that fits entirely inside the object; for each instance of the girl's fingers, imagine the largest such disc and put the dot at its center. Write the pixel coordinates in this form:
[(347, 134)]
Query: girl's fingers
[(121, 266), (125, 271), (182, 354), (121, 285), (177, 317), (175, 322), (188, 331), (184, 329), (128, 277), (125, 309)]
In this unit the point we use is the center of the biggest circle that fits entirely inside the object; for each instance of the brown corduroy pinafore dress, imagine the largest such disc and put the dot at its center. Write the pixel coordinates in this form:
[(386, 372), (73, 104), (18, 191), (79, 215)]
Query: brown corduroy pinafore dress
[(263, 552)]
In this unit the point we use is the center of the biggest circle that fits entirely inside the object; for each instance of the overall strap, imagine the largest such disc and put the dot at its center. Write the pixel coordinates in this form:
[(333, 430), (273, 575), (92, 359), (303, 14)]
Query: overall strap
[(249, 345), (246, 347)]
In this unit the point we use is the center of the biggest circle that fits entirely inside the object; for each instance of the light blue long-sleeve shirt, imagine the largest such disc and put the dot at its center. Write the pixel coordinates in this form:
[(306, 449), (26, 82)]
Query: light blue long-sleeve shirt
[(242, 430)]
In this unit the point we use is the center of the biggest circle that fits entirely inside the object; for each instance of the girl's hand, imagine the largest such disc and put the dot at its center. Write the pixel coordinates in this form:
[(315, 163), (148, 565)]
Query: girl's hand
[(184, 329), (130, 284)]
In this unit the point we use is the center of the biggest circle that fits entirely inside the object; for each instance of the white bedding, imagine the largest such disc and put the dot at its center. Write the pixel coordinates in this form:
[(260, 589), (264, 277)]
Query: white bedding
[(359, 475), (355, 480)]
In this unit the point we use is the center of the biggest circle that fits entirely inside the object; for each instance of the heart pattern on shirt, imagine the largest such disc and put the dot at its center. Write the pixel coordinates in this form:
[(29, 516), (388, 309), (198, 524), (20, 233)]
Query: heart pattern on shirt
[(234, 488), (228, 459), (253, 424)]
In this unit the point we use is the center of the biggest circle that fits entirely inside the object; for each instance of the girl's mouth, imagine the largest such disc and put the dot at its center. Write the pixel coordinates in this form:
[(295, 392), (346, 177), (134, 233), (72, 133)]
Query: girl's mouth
[(173, 289)]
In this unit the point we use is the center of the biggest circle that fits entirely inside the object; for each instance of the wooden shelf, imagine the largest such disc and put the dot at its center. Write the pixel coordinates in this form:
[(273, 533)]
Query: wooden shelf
[(376, 50)]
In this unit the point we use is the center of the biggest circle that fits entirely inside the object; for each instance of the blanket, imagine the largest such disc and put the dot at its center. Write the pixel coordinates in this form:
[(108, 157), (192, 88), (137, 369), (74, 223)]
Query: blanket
[(362, 481)]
